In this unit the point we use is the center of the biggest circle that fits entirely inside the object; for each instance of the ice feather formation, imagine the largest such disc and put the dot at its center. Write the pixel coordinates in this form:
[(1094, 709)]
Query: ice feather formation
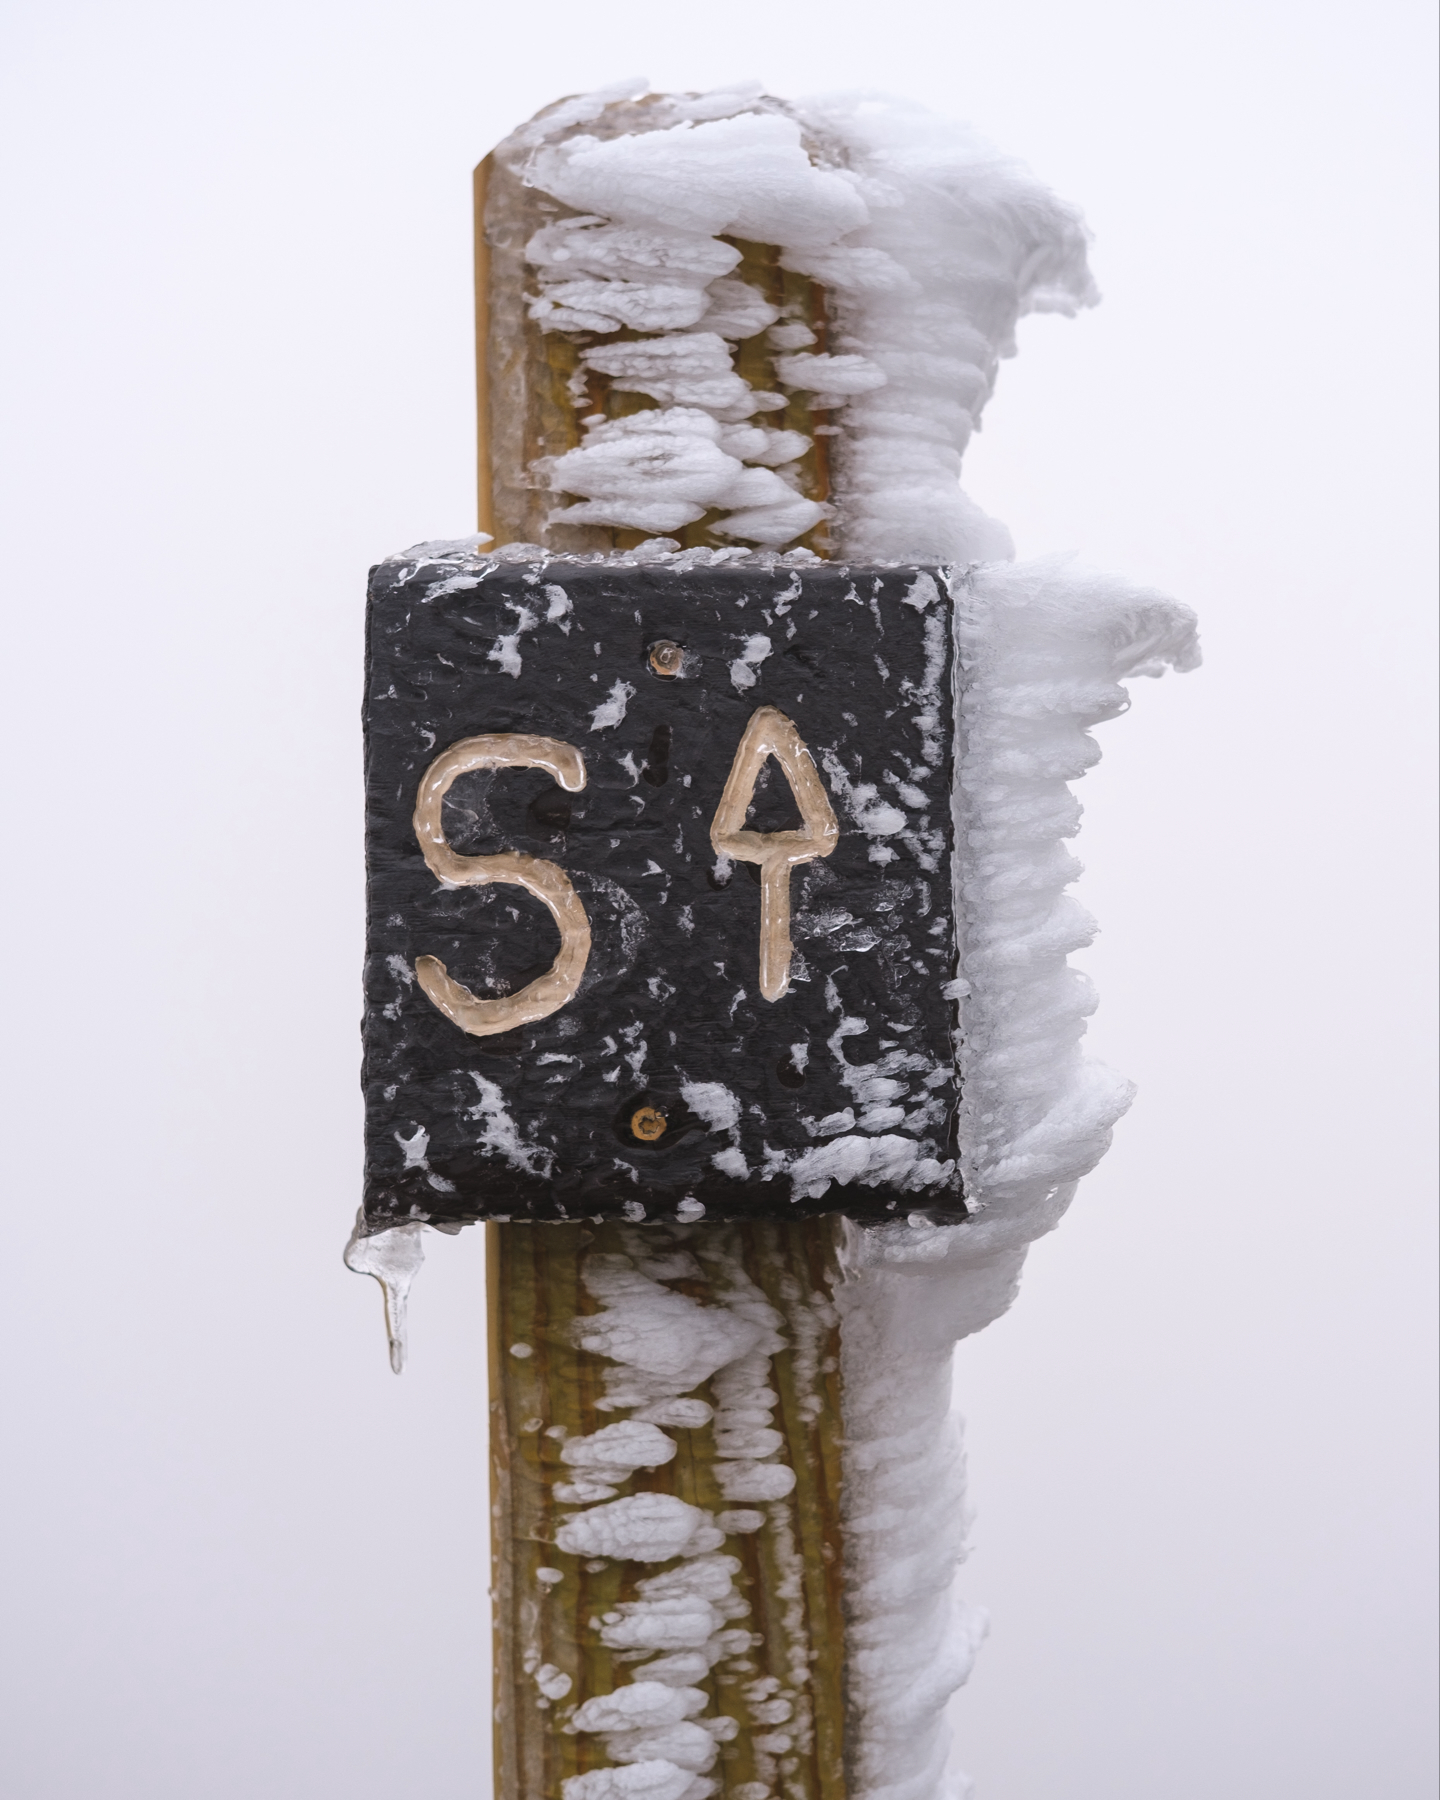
[(659, 1344), (929, 246), (1044, 649)]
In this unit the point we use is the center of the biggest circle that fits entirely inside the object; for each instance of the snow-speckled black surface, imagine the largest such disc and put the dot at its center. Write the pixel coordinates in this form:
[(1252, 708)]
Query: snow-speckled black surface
[(533, 1124)]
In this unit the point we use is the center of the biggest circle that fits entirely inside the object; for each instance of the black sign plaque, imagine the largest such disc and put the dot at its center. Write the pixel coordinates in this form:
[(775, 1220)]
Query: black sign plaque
[(660, 917)]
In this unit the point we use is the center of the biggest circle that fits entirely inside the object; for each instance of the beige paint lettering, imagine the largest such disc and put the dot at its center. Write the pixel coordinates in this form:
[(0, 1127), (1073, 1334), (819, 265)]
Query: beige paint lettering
[(770, 733), (547, 882)]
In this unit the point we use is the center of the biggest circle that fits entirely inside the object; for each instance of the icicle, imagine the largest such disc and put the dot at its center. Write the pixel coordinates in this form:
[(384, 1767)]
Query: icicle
[(393, 1257)]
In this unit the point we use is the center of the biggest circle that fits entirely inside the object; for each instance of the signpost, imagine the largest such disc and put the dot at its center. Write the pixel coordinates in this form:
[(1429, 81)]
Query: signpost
[(697, 807)]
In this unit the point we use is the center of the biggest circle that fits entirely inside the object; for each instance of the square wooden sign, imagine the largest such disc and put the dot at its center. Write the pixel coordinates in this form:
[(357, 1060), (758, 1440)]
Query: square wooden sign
[(660, 918)]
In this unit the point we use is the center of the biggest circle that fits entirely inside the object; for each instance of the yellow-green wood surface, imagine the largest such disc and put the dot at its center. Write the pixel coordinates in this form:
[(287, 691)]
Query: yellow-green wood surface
[(547, 1629)]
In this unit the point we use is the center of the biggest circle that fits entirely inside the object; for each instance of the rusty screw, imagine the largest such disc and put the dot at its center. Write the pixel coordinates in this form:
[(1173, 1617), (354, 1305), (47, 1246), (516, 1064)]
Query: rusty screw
[(647, 1124), (666, 658)]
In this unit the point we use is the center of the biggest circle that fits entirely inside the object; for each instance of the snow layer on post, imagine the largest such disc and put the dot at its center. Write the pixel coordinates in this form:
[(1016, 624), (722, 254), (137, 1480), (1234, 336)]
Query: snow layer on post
[(958, 243), (911, 248), (1044, 648), (683, 1638)]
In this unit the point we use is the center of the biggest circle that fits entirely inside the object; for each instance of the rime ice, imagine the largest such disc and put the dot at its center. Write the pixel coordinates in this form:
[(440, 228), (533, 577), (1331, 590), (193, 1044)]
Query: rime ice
[(929, 245)]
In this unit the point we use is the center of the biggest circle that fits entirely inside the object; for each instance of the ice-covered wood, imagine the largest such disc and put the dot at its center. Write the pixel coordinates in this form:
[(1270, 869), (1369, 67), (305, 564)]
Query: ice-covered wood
[(740, 318), (666, 1477), (726, 319)]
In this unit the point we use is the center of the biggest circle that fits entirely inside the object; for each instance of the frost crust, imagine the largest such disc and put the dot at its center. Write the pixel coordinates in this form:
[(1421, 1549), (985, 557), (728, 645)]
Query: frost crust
[(1044, 649), (929, 245)]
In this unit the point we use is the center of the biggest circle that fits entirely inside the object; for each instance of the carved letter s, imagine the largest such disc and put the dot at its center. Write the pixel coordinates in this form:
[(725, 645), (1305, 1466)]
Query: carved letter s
[(547, 882)]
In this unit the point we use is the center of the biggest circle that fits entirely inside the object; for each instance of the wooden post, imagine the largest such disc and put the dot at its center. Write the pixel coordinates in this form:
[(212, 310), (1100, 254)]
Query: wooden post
[(778, 1663), (783, 1686), (527, 380)]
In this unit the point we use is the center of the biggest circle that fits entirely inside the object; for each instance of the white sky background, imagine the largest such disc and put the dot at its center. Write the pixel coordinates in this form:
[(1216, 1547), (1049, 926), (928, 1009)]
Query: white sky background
[(246, 1563)]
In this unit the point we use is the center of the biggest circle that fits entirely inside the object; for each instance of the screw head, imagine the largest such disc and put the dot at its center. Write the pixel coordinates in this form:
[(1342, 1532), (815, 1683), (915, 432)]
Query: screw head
[(647, 1123), (666, 658)]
